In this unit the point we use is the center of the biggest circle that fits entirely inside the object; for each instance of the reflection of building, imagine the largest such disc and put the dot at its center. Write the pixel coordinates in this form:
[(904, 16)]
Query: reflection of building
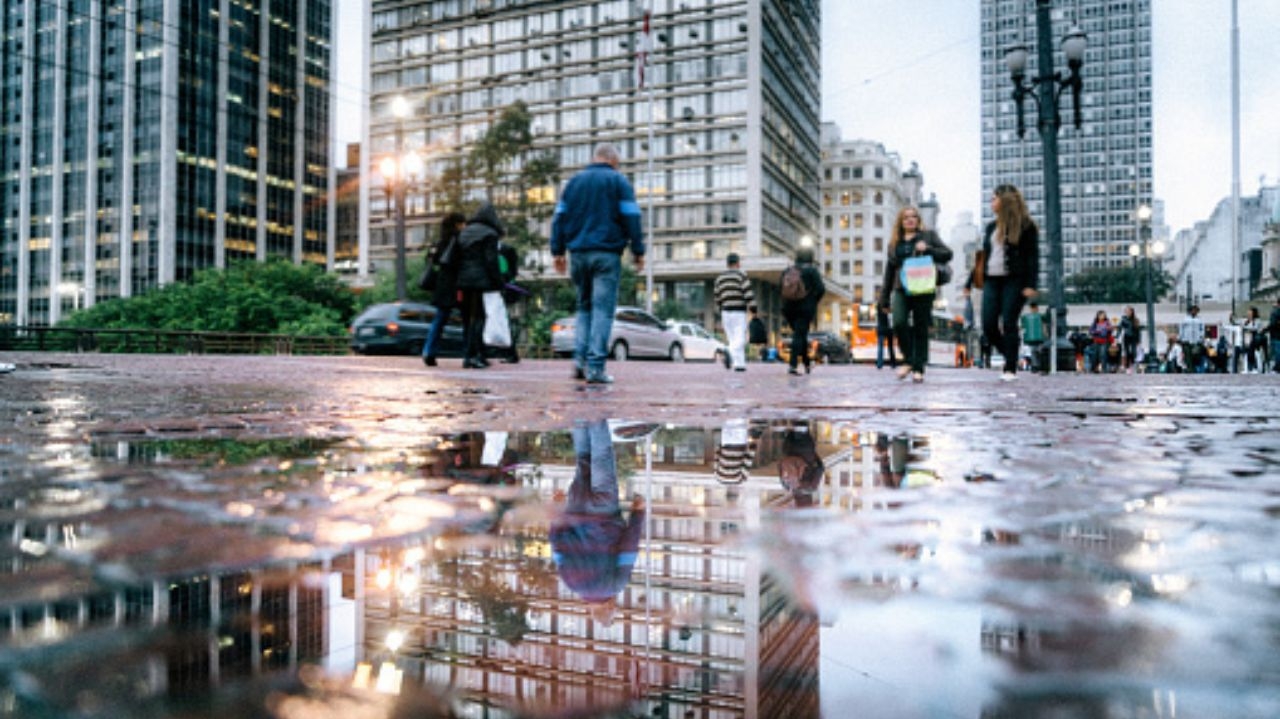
[(735, 88), (722, 636), (144, 141)]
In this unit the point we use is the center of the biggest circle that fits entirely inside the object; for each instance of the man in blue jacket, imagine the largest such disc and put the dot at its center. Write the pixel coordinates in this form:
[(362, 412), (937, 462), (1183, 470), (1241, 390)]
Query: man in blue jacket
[(596, 218)]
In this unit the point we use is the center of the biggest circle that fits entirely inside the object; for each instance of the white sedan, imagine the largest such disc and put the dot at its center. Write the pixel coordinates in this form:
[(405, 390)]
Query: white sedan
[(699, 344)]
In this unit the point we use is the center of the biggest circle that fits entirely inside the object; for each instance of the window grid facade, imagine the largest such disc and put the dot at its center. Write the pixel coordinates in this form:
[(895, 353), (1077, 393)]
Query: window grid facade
[(735, 91), (1106, 166), (144, 140)]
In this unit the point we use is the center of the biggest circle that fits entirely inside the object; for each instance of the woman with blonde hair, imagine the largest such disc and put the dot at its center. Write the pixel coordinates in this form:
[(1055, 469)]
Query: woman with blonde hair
[(1007, 272), (911, 313)]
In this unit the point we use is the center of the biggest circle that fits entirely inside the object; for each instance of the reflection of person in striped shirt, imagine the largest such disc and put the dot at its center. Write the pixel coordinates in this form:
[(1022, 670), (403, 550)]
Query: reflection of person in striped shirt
[(736, 454), (733, 296)]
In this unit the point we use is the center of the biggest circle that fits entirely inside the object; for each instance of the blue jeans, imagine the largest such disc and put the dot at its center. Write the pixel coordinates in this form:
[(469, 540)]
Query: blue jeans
[(437, 327), (1275, 355), (595, 480), (596, 275)]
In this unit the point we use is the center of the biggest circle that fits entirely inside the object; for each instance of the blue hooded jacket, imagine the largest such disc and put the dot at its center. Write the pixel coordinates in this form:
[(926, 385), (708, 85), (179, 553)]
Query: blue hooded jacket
[(597, 211)]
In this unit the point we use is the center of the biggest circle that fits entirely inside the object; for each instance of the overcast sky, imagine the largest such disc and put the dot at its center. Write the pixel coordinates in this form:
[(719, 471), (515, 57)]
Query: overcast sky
[(905, 73)]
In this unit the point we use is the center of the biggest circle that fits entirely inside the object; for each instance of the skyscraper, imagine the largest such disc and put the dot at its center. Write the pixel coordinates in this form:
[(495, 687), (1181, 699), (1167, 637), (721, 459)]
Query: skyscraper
[(736, 113), (143, 140), (1106, 166)]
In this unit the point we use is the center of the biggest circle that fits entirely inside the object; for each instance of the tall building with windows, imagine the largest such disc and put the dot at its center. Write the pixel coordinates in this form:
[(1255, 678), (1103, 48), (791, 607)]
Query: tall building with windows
[(1106, 166), (143, 140), (734, 87), (863, 188)]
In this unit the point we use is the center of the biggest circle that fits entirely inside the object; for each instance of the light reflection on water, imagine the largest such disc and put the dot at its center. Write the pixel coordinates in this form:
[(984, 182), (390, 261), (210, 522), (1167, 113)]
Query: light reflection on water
[(782, 568)]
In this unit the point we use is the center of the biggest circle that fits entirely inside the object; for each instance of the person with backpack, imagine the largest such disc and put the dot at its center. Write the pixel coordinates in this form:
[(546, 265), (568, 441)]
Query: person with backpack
[(802, 290), (733, 296), (910, 296)]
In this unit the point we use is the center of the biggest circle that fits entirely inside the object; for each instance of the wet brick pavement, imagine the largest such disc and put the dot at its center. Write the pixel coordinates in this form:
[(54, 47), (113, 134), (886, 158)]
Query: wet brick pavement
[(1068, 546)]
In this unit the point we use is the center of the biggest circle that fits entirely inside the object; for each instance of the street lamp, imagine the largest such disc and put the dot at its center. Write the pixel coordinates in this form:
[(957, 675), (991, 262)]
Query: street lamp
[(1147, 250), (397, 182), (1050, 85)]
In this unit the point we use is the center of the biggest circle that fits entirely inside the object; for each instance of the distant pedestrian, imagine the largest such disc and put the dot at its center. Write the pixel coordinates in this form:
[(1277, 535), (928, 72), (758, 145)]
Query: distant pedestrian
[(1096, 356), (596, 219), (1233, 332), (1010, 265), (733, 297), (757, 332), (1273, 330), (478, 273), (1254, 341), (1174, 359), (1032, 323), (884, 338), (912, 311), (800, 312), (1191, 335), (444, 256), (1128, 334)]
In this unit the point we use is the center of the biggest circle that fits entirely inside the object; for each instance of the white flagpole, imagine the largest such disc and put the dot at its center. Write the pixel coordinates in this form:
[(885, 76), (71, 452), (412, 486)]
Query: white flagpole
[(646, 45)]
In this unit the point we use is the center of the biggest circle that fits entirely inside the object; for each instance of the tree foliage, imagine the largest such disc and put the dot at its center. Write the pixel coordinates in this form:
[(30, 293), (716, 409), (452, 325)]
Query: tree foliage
[(1117, 284), (275, 297)]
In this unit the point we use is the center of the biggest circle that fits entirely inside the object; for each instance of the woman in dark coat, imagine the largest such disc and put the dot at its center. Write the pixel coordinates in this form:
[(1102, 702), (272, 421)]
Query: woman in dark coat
[(912, 314), (799, 314), (445, 294), (1010, 266), (478, 273)]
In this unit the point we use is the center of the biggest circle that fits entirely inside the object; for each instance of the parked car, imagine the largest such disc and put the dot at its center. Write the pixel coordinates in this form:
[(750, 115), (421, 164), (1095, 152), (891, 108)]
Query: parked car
[(699, 344), (401, 328), (824, 347), (635, 333)]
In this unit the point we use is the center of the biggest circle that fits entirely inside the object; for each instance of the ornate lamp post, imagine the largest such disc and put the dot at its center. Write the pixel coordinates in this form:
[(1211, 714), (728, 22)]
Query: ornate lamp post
[(1148, 250), (1049, 85)]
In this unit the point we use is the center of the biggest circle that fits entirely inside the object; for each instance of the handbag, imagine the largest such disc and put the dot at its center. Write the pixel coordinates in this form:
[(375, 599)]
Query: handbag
[(979, 276), (919, 276), (427, 280), (497, 329), (944, 273)]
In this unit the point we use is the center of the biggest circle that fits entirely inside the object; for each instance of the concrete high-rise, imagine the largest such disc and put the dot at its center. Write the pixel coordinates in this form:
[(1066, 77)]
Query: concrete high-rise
[(736, 115), (1106, 166), (143, 140)]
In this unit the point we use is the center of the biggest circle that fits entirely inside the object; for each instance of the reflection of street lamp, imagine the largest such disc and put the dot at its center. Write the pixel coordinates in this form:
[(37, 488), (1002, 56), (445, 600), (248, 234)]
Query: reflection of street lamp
[(394, 173), (1147, 250), (1051, 85)]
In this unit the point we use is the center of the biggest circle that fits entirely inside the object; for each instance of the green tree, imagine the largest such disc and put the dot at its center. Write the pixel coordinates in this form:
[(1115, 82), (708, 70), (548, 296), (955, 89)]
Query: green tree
[(1117, 284), (276, 297)]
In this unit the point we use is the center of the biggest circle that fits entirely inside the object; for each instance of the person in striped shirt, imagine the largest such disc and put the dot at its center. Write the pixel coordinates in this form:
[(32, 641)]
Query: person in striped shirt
[(733, 296)]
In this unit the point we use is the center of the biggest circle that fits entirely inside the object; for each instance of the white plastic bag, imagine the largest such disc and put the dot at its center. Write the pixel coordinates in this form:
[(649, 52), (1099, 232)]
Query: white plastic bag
[(497, 331)]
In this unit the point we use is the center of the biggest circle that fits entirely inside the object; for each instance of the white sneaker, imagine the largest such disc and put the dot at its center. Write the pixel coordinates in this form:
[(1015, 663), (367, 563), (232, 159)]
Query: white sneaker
[(1008, 376), (6, 368), (903, 371)]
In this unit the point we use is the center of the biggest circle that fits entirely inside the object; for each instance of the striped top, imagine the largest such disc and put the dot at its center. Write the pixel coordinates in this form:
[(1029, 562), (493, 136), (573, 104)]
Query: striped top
[(733, 291)]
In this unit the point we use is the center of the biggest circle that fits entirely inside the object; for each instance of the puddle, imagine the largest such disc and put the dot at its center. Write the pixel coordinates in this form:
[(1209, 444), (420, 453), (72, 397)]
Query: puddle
[(628, 568)]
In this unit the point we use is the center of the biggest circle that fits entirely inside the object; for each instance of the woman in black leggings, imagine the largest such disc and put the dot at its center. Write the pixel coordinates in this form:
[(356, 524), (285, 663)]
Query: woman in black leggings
[(1006, 272)]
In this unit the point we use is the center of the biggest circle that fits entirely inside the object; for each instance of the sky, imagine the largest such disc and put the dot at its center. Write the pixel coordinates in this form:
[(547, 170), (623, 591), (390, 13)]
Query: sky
[(905, 73)]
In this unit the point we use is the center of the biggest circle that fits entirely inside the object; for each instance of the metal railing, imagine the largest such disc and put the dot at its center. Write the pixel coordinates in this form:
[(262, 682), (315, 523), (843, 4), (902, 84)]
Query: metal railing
[(130, 341)]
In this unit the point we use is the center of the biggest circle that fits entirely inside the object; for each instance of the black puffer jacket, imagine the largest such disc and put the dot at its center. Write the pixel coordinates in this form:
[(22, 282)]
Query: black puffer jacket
[(478, 251), (1022, 261)]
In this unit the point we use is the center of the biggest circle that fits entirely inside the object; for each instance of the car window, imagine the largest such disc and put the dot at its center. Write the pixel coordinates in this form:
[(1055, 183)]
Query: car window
[(703, 333), (686, 331), (416, 313), (628, 316), (648, 319)]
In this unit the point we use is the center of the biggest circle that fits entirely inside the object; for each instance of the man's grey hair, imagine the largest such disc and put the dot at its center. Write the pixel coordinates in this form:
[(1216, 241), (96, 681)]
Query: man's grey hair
[(606, 152)]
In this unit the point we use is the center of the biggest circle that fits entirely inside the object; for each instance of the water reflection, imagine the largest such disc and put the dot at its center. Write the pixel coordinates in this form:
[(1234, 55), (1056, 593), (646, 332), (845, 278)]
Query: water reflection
[(759, 568)]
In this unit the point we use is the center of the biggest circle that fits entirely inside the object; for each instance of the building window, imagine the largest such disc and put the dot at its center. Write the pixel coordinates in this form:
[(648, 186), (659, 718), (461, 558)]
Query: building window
[(844, 222)]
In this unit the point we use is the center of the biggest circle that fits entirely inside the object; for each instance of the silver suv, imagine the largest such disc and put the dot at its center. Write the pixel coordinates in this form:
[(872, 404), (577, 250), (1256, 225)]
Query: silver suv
[(635, 333)]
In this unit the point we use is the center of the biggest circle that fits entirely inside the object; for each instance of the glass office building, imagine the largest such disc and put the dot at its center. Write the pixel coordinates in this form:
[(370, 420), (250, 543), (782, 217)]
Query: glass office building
[(735, 88), (143, 140), (1106, 166)]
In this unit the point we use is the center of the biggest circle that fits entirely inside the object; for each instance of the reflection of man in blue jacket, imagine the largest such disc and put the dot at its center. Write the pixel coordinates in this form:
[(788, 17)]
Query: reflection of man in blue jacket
[(596, 218), (594, 548)]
